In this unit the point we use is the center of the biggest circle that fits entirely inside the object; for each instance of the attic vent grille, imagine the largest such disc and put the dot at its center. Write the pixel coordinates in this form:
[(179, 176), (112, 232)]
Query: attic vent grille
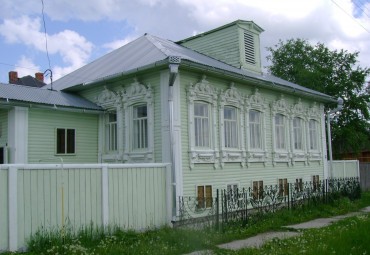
[(249, 48)]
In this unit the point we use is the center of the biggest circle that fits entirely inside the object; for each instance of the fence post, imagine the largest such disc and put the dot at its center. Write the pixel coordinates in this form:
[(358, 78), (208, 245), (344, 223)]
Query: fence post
[(13, 208), (217, 210), (288, 184), (105, 201)]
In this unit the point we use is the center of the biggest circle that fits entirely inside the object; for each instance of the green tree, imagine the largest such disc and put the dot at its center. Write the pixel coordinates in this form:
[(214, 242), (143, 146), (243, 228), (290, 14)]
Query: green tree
[(334, 73)]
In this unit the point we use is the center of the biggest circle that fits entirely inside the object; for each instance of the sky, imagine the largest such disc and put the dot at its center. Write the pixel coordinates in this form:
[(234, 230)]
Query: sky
[(80, 31)]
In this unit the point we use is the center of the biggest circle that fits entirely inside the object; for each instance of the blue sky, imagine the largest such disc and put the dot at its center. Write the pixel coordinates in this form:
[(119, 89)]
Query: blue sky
[(80, 31)]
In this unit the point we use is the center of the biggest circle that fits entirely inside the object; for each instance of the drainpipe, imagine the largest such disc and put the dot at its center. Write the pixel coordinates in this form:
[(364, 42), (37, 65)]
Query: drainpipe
[(339, 107), (174, 62)]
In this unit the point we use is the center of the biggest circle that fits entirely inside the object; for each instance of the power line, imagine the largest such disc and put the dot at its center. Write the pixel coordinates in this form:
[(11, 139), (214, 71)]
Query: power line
[(46, 38), (360, 7), (351, 16)]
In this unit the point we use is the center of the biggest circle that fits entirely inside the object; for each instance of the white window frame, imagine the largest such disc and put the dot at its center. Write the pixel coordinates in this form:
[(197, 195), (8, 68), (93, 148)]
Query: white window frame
[(201, 131), (280, 107), (134, 95), (314, 113), (111, 101), (140, 129), (203, 91), (299, 111), (110, 133), (256, 102), (232, 98)]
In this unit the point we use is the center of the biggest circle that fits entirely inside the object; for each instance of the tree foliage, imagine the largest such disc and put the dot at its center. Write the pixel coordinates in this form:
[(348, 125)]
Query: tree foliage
[(334, 73)]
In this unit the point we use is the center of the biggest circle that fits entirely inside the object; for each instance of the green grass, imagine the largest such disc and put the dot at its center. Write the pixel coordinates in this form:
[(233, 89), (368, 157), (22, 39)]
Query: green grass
[(93, 240), (349, 236)]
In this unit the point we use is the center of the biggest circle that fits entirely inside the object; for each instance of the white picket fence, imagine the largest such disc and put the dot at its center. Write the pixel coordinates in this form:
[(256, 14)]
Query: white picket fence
[(345, 168), (131, 196)]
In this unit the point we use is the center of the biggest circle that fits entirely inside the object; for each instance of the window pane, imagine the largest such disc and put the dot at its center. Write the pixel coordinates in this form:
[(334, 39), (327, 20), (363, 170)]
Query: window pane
[(61, 140), (201, 122), (70, 141), (230, 131), (279, 131), (313, 134), (111, 132), (208, 196), (297, 133), (140, 125), (201, 196), (255, 130)]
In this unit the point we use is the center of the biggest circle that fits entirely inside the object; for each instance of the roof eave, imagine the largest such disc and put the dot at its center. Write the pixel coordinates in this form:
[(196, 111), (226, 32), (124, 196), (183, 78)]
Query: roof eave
[(11, 103), (276, 86)]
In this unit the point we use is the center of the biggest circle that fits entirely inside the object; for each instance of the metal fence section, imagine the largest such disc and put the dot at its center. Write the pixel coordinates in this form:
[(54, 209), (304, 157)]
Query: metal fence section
[(249, 205)]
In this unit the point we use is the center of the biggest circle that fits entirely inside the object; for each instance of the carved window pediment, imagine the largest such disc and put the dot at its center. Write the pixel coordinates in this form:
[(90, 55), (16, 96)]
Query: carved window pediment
[(108, 99)]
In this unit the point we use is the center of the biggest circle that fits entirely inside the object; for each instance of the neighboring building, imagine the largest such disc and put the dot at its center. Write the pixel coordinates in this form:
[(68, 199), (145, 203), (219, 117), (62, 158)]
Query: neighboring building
[(37, 81), (231, 125)]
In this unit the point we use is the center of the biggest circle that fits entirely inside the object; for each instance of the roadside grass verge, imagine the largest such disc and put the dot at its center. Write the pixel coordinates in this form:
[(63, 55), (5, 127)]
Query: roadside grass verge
[(93, 240), (348, 236)]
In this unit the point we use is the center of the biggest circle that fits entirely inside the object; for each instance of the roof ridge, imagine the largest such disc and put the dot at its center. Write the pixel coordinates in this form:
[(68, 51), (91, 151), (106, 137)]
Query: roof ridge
[(153, 39)]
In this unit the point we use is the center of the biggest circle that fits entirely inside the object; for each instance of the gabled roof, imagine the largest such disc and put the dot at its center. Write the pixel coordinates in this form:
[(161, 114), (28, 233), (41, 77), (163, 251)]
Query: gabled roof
[(244, 22), (12, 93), (148, 51)]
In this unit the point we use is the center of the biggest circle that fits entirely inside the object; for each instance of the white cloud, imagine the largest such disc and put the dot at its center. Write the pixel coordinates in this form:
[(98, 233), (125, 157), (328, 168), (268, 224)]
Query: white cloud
[(315, 20), (119, 43), (25, 66), (73, 48)]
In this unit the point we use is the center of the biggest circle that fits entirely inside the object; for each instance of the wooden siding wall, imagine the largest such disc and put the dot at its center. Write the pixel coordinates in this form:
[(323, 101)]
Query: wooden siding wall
[(150, 78), (234, 173), (4, 127), (217, 44), (136, 198), (42, 135)]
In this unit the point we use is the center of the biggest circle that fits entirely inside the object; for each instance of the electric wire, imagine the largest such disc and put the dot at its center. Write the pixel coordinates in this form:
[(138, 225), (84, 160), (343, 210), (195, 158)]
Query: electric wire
[(46, 38), (359, 7), (351, 16)]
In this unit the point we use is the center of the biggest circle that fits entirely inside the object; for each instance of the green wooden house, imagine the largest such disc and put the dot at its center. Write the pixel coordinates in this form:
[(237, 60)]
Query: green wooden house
[(202, 104)]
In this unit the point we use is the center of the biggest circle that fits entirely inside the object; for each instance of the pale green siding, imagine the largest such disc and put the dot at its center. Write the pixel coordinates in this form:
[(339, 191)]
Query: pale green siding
[(3, 127), (137, 197), (3, 209), (222, 45), (150, 78), (42, 135), (234, 173)]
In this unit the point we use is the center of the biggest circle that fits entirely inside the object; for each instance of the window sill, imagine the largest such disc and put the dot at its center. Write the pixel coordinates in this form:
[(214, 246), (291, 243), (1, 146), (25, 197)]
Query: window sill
[(139, 157), (232, 155), (200, 156)]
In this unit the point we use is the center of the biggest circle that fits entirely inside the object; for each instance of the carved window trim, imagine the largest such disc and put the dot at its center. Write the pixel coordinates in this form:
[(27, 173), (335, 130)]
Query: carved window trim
[(280, 107), (232, 98), (112, 102), (138, 94), (314, 113), (299, 111), (256, 102), (203, 91)]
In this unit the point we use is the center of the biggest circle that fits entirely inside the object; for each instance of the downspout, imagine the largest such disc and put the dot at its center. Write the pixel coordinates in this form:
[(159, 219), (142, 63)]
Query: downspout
[(174, 62), (339, 107)]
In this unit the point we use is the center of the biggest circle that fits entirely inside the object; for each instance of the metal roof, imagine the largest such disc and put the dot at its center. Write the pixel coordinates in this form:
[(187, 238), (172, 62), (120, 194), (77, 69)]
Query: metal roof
[(28, 94), (148, 50)]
